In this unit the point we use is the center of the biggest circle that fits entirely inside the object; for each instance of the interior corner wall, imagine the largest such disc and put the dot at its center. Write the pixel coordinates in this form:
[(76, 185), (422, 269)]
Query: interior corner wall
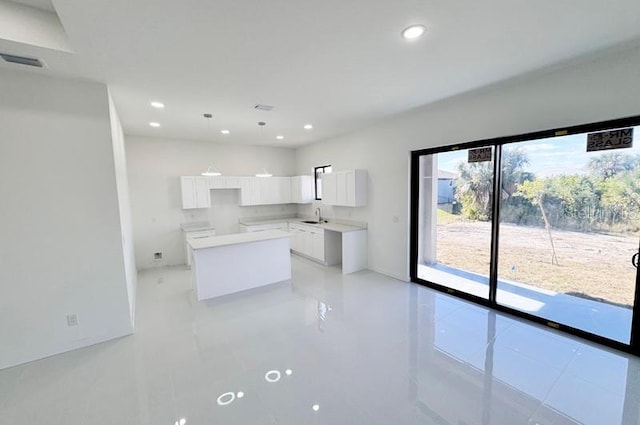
[(124, 206), (155, 166), (61, 250), (604, 88)]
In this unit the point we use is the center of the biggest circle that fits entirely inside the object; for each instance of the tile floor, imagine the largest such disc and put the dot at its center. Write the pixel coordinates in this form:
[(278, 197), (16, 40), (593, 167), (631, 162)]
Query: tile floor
[(324, 349)]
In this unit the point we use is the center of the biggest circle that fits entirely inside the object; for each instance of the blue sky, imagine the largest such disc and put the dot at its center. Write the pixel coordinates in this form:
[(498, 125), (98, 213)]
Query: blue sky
[(553, 156)]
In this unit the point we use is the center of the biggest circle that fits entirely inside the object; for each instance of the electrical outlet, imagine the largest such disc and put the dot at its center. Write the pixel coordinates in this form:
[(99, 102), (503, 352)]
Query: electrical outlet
[(72, 319), (157, 256)]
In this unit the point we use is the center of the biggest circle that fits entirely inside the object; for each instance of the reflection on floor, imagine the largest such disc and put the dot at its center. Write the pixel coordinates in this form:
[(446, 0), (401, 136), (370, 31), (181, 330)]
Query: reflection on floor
[(600, 318), (324, 349)]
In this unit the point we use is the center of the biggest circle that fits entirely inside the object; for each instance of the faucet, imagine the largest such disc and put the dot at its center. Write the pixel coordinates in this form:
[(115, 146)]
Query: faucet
[(318, 214)]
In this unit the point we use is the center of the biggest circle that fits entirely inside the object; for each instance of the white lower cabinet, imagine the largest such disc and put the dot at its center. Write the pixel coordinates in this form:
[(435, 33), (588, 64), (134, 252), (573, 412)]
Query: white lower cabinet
[(308, 241), (317, 245)]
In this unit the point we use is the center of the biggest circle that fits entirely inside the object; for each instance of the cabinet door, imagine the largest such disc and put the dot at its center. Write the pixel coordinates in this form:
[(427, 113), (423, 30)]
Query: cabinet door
[(250, 191), (307, 243), (307, 189), (302, 191), (341, 188), (350, 185), (329, 189), (317, 245), (296, 190), (268, 190), (359, 188), (217, 182), (203, 196), (297, 242), (232, 182), (284, 184), (188, 186)]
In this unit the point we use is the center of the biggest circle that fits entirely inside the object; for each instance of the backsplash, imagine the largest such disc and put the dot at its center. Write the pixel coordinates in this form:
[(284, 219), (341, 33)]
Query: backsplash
[(225, 211)]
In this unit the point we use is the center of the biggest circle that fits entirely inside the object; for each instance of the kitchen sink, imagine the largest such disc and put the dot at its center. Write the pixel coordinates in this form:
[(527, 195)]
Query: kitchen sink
[(310, 222)]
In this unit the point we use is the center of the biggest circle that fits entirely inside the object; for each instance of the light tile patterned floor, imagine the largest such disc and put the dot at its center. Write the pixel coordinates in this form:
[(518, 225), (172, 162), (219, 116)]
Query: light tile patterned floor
[(361, 348)]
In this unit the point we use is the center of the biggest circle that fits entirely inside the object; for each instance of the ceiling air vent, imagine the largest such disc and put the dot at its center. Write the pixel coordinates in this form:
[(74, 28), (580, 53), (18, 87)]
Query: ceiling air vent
[(21, 60), (262, 107)]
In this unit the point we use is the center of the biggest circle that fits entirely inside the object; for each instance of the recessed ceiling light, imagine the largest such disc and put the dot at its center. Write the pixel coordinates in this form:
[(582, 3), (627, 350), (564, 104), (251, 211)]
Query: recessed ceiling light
[(225, 131), (158, 105), (154, 124), (413, 32), (279, 137), (308, 126)]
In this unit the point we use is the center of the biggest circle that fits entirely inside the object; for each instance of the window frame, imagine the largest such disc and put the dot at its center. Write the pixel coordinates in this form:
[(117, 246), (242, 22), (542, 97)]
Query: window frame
[(633, 347), (315, 178)]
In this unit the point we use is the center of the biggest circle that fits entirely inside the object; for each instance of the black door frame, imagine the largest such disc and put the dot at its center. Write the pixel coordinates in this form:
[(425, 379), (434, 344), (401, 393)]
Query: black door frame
[(497, 143)]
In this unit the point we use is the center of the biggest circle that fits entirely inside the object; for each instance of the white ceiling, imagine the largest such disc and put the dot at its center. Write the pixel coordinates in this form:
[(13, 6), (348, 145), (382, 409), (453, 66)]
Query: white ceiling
[(337, 64)]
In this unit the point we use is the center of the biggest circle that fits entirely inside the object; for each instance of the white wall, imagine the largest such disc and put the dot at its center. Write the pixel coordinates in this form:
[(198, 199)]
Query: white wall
[(61, 249), (124, 207), (602, 89), (155, 166)]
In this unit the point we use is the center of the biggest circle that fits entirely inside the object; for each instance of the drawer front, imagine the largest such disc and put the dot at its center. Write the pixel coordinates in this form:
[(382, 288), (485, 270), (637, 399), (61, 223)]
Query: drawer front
[(293, 226), (270, 226), (310, 229)]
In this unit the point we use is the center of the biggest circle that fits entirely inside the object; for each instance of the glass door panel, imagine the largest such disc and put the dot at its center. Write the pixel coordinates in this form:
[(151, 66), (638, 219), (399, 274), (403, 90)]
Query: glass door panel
[(569, 227), (454, 221)]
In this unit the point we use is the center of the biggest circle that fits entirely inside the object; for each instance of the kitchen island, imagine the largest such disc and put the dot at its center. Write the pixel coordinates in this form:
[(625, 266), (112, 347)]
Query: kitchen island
[(223, 265), (331, 243)]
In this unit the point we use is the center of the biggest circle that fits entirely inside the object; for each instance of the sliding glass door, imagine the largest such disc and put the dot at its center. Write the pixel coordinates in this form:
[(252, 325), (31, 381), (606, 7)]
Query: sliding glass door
[(568, 229), (551, 237), (456, 198)]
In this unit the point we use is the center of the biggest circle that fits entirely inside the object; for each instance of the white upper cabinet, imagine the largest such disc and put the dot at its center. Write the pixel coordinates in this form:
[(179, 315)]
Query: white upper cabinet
[(284, 190), (265, 190), (253, 190), (345, 188), (302, 190), (224, 182), (330, 188), (217, 182), (195, 192), (250, 191)]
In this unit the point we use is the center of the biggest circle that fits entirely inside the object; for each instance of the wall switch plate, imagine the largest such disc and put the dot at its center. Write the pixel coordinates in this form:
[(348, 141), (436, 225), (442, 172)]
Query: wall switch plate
[(72, 319)]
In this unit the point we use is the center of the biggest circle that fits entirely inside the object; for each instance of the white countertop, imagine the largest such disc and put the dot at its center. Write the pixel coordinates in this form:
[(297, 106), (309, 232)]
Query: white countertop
[(259, 221), (236, 238), (336, 227), (196, 226), (331, 225)]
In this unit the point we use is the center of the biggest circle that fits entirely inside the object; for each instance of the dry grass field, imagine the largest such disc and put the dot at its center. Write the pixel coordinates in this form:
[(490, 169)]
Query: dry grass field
[(596, 266)]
